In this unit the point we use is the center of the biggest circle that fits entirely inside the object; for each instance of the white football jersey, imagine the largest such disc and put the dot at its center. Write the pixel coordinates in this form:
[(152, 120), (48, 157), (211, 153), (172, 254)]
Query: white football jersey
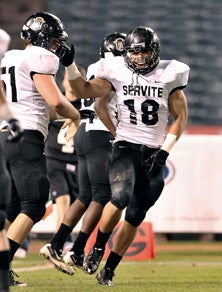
[(29, 106), (142, 100), (88, 104)]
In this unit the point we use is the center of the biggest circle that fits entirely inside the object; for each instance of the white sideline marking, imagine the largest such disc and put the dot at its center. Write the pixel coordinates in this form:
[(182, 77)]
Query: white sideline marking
[(31, 269)]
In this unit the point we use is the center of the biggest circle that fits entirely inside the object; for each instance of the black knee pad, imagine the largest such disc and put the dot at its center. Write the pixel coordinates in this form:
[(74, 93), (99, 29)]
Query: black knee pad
[(135, 216), (85, 199), (2, 219), (120, 194), (102, 195), (34, 210), (35, 207)]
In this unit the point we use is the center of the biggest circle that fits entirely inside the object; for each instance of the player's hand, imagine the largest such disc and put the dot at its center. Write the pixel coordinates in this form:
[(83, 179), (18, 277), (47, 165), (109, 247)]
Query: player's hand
[(71, 129), (156, 162), (15, 129), (67, 56)]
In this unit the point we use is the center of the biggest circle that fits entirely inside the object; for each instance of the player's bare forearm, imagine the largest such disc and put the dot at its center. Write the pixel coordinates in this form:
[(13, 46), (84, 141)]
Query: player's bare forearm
[(179, 111), (94, 88)]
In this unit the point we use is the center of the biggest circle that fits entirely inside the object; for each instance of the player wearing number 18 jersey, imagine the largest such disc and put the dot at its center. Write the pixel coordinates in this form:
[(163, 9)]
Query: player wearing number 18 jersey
[(148, 91), (142, 101)]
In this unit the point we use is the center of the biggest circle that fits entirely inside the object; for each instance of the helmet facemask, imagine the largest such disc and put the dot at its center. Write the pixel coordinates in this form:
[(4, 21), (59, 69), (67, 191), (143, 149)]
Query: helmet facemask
[(140, 63)]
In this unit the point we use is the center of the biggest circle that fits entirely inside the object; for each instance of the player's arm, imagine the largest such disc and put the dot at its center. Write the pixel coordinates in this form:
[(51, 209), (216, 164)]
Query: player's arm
[(7, 115), (49, 90), (178, 109), (96, 87), (103, 113), (69, 93)]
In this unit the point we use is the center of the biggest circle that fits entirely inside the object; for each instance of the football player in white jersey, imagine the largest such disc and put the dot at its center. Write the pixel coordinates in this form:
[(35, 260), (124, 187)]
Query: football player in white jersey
[(5, 188), (28, 76), (93, 145), (5, 181), (148, 91)]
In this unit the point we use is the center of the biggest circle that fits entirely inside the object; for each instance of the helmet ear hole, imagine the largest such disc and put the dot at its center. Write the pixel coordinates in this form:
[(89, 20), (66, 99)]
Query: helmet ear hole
[(25, 36)]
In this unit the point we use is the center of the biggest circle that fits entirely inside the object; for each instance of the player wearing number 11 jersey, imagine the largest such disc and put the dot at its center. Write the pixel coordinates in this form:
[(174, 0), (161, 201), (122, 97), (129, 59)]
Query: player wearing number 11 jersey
[(148, 91)]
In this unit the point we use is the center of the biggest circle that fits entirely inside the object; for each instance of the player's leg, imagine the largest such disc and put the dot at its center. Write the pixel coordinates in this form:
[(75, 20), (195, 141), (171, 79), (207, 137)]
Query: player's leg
[(5, 190), (97, 150), (72, 215), (53, 250), (76, 209), (75, 256), (28, 169), (59, 192), (146, 192), (98, 154), (62, 205), (22, 251), (98, 169), (123, 239), (122, 183)]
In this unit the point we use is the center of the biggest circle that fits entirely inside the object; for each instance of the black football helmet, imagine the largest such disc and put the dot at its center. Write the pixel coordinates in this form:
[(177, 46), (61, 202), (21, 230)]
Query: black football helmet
[(40, 27), (112, 43), (142, 39)]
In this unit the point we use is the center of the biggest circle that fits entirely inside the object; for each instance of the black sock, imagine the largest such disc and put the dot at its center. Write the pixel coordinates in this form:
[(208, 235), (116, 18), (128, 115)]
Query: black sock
[(13, 248), (80, 243), (4, 280), (59, 238), (4, 260), (102, 239), (113, 261)]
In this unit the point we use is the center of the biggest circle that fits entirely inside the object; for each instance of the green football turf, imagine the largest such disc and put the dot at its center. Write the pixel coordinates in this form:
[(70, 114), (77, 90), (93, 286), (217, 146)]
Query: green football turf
[(175, 268)]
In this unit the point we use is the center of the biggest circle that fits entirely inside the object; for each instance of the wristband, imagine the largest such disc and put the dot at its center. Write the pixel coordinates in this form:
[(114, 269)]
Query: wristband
[(169, 142), (72, 72)]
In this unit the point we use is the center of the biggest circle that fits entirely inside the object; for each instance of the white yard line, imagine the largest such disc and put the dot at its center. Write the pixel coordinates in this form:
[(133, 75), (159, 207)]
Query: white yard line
[(31, 269)]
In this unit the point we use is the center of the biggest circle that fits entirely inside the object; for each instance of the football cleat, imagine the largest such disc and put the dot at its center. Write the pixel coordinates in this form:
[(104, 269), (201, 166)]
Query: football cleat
[(73, 260), (13, 282), (55, 257), (105, 277), (93, 260)]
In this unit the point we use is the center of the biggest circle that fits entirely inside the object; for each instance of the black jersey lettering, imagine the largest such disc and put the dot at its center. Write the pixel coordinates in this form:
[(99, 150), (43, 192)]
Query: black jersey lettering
[(140, 90)]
